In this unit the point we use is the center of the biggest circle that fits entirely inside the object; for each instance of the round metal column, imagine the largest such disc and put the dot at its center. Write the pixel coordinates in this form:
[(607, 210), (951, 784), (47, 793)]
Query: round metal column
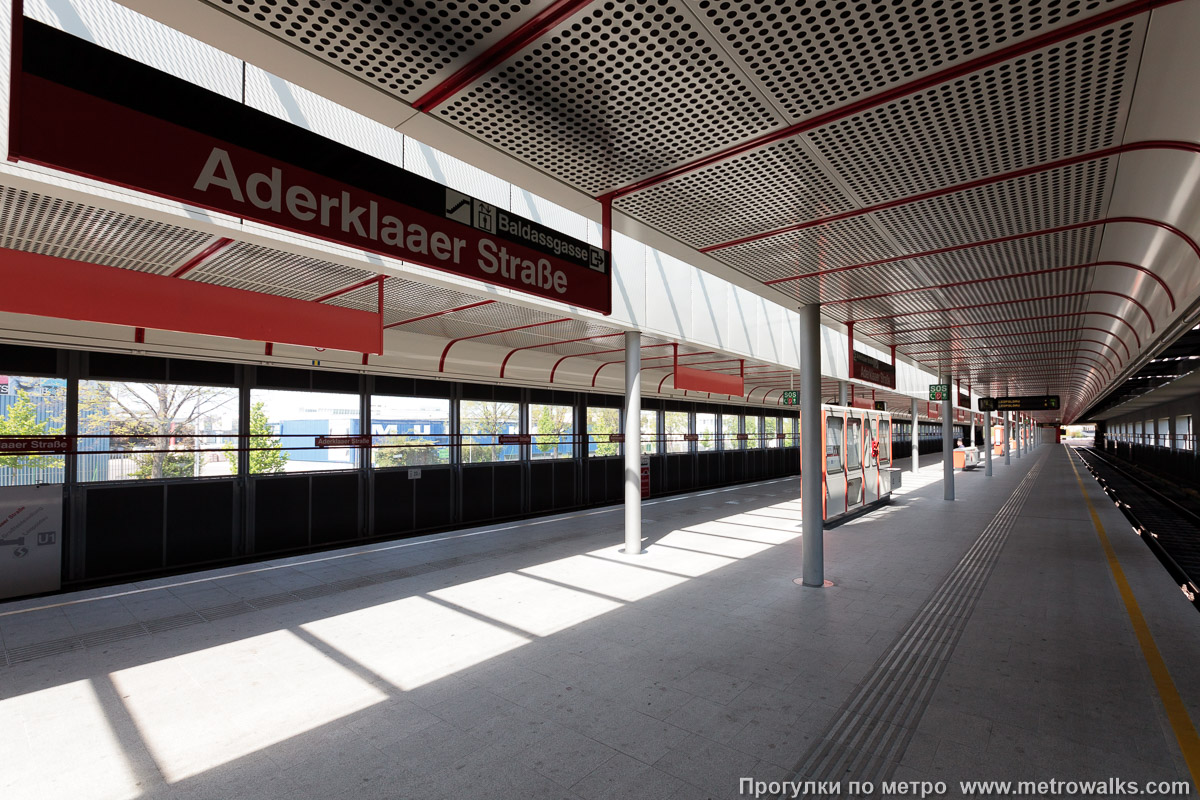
[(916, 440), (843, 393), (811, 452), (947, 445), (633, 443), (987, 443), (1007, 421)]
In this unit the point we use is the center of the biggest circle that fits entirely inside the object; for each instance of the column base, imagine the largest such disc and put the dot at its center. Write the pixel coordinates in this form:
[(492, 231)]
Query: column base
[(800, 582), (638, 553)]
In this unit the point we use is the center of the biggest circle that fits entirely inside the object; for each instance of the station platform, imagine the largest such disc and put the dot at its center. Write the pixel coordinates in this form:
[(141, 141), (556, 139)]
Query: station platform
[(981, 640)]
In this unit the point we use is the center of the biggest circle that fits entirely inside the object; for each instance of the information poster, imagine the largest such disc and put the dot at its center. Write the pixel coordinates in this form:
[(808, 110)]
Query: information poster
[(30, 539)]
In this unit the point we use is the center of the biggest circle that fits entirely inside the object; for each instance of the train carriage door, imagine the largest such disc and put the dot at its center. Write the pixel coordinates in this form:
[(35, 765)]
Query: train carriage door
[(854, 461), (835, 465), (871, 457)]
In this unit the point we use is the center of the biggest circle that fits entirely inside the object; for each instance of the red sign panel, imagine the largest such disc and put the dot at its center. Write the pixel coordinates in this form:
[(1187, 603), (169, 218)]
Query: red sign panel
[(363, 440), (872, 370), (33, 445), (701, 380), (49, 286), (89, 111), (645, 476), (515, 438), (741, 437)]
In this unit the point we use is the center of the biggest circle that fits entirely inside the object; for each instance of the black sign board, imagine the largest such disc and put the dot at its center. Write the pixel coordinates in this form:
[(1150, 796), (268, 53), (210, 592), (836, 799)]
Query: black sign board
[(1045, 402), (880, 405), (865, 368)]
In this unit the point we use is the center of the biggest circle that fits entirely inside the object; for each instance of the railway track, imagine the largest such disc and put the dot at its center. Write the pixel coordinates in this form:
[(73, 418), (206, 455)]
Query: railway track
[(1171, 531)]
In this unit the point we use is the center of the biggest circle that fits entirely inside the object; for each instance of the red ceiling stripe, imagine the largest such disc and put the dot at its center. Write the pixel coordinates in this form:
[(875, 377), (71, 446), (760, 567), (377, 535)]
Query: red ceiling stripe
[(440, 313), (930, 80), (1014, 302), (202, 256), (1106, 331), (1009, 276), (1019, 319), (511, 353), (352, 287), (498, 53), (554, 369), (452, 342), (1000, 240), (1081, 158)]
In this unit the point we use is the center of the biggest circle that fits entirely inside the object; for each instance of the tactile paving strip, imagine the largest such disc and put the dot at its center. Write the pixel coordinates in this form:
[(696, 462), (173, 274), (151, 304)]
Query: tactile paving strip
[(869, 735)]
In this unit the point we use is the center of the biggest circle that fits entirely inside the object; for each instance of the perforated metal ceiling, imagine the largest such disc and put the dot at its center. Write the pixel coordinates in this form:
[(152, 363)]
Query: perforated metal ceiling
[(752, 119)]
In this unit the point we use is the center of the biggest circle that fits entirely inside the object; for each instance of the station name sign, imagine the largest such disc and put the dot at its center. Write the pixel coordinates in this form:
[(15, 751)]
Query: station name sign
[(872, 370), (354, 440), (86, 110), (33, 445), (1044, 402)]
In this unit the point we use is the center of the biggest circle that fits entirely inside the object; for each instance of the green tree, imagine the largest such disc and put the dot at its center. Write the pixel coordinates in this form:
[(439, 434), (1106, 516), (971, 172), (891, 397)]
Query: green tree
[(551, 427), (270, 460), (151, 415), (21, 420), (486, 420), (401, 451), (602, 422)]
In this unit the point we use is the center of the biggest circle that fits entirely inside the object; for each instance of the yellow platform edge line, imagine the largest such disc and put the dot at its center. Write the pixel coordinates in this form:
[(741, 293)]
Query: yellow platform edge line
[(1177, 714)]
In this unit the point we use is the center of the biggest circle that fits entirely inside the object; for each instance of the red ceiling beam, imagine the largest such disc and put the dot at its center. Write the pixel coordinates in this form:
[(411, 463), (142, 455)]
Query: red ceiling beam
[(988, 350), (1015, 302), (452, 342), (1006, 277), (1191, 243), (514, 351), (498, 53), (1081, 158), (1105, 331), (958, 70), (440, 313), (1100, 358), (204, 255), (376, 279), (596, 374), (554, 369), (956, 326)]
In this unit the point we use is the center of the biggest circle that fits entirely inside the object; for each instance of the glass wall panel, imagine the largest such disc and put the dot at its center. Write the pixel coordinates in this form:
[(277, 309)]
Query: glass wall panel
[(144, 431), (706, 429), (601, 423), (649, 431), (481, 423), (409, 431), (730, 427), (753, 440), (676, 426), (31, 407), (284, 426), (769, 431), (552, 429)]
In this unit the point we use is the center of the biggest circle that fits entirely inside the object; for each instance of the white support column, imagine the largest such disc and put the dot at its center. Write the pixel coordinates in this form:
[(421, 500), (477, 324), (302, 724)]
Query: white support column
[(970, 427), (633, 443), (948, 443), (811, 452), (1007, 437), (1017, 424), (916, 440), (987, 443), (843, 393)]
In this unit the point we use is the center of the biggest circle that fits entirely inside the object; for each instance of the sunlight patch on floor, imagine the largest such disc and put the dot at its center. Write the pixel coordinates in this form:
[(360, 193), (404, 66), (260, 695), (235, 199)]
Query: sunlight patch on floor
[(206, 708), (414, 641), (529, 605), (59, 745)]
